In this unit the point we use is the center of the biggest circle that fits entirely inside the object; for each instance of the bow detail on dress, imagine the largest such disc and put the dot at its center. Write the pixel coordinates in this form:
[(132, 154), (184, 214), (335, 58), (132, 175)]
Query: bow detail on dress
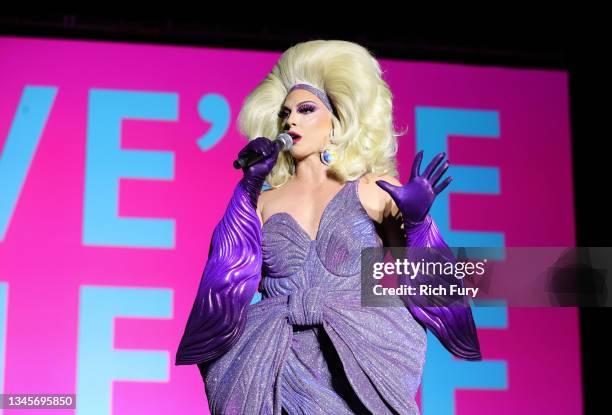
[(305, 306)]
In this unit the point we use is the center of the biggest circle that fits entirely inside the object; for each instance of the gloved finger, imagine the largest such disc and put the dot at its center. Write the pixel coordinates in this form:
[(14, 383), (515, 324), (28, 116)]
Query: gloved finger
[(273, 147), (248, 149), (272, 151), (433, 164), (259, 145), (388, 187), (262, 146), (443, 185), (436, 176), (416, 165)]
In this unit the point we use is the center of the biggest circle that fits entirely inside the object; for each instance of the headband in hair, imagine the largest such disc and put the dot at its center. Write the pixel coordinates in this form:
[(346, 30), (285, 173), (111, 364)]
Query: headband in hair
[(320, 94)]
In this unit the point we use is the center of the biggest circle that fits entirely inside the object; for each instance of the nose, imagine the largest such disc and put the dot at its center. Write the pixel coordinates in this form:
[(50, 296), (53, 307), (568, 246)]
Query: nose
[(291, 118)]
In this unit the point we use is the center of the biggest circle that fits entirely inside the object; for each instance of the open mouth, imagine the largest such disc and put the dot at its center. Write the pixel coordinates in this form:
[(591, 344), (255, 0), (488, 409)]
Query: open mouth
[(294, 136)]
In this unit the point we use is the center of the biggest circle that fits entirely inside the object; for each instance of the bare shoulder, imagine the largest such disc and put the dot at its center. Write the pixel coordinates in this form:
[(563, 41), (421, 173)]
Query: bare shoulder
[(376, 201), (264, 197)]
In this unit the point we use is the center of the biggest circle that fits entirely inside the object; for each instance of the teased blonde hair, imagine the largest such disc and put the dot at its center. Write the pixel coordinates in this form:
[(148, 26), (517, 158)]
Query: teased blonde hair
[(364, 137)]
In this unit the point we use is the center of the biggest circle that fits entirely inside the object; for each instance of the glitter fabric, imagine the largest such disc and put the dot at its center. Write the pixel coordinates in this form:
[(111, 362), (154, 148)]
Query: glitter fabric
[(308, 347)]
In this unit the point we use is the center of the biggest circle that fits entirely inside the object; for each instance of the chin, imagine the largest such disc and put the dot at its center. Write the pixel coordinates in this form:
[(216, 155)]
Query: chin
[(297, 156), (299, 151)]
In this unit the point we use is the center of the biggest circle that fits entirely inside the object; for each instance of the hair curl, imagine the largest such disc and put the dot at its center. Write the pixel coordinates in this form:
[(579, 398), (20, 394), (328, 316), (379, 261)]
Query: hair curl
[(364, 140)]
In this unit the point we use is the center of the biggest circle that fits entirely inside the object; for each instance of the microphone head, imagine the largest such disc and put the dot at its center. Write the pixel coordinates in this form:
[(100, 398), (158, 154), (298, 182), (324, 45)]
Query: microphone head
[(287, 141)]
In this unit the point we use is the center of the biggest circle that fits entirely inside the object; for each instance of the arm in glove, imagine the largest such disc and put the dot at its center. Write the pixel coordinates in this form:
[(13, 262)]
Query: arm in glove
[(233, 269), (448, 317)]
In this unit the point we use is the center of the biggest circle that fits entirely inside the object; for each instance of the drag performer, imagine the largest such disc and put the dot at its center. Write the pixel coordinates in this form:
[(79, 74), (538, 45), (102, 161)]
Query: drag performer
[(309, 347)]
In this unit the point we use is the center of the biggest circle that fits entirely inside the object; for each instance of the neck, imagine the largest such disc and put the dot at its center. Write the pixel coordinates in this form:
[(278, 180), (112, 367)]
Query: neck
[(312, 171)]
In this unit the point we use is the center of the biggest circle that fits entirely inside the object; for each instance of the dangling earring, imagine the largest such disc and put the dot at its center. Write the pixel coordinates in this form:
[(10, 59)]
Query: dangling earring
[(327, 156)]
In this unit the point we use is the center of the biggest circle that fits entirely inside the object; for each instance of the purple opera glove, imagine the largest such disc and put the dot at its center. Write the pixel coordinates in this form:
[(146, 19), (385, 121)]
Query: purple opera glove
[(448, 317), (416, 197), (233, 270)]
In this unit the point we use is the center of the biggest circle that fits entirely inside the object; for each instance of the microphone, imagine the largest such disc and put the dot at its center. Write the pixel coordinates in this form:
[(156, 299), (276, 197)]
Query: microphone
[(283, 139)]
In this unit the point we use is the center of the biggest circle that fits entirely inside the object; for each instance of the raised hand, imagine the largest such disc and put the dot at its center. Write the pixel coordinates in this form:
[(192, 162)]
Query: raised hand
[(265, 147), (254, 175), (415, 198)]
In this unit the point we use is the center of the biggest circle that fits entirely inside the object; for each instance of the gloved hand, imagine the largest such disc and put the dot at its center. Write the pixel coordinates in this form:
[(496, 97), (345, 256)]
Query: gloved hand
[(233, 269), (448, 317), (255, 174), (415, 198)]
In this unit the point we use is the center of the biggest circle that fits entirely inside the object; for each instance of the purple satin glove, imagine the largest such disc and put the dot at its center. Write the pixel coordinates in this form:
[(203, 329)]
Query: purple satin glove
[(416, 197), (233, 270), (448, 317), (255, 175)]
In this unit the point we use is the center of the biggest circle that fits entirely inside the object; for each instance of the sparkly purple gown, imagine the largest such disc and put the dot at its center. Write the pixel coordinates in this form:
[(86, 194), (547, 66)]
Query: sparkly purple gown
[(308, 347)]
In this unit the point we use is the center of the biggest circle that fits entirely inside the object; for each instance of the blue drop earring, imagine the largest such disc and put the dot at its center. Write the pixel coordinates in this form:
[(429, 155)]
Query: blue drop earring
[(327, 156)]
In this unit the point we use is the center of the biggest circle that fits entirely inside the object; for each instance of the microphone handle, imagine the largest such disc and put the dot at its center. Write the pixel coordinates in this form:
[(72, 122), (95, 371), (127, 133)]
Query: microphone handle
[(245, 162), (249, 160)]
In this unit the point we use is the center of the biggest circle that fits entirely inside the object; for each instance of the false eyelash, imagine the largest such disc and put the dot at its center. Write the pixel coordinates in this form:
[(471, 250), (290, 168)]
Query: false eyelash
[(307, 107), (311, 108)]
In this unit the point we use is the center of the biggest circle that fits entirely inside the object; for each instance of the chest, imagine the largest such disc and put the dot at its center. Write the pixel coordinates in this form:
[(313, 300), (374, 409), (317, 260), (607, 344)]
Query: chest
[(308, 207)]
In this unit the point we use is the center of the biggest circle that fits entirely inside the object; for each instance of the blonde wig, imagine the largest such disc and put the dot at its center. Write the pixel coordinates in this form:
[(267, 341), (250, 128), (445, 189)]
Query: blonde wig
[(364, 139)]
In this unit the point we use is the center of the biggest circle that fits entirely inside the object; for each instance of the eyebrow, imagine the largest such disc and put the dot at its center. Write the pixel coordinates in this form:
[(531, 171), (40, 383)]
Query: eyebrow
[(299, 103)]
